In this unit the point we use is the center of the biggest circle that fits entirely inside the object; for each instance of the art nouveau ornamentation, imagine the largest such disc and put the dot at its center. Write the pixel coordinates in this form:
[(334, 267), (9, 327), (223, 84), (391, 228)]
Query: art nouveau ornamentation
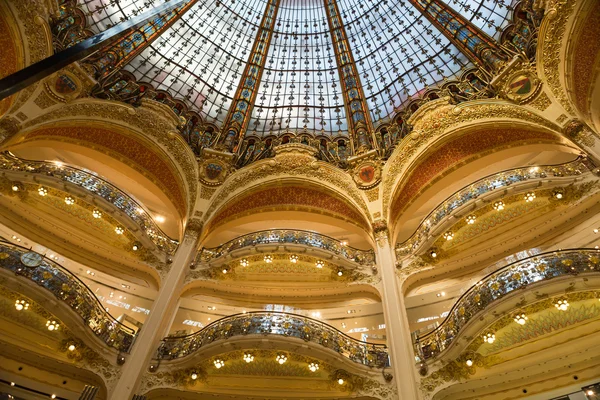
[(273, 323), (306, 238), (502, 283), (98, 187), (69, 289)]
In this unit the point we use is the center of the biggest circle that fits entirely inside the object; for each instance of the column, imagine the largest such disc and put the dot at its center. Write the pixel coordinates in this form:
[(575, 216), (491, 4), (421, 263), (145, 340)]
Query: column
[(396, 322), (160, 318), (360, 126), (475, 44), (239, 114)]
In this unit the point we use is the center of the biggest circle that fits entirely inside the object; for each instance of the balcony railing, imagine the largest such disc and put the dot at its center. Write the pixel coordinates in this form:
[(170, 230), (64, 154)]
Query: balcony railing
[(97, 186), (483, 186), (72, 291), (311, 239), (276, 323), (497, 285)]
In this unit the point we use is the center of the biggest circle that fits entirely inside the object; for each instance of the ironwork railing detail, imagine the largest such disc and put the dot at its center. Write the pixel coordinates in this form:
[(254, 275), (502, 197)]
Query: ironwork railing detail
[(483, 186), (72, 291), (96, 186), (276, 323), (281, 236), (497, 285)]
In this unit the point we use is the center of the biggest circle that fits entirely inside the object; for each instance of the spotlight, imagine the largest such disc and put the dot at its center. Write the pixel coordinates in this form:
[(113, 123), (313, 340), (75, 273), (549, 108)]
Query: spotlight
[(294, 258), (281, 358), (340, 273), (558, 194), (340, 381), (499, 206), (42, 191), (244, 262), (219, 363), (248, 357), (194, 376), (268, 259), (520, 319), (469, 363), (136, 246), (471, 219), (433, 254), (119, 230), (448, 235), (225, 270), (320, 264), (529, 197), (313, 367), (97, 214), (71, 347), (21, 305), (69, 200)]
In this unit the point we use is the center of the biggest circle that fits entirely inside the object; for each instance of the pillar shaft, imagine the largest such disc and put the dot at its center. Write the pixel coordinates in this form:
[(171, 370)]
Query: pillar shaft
[(239, 114), (158, 322), (357, 113), (396, 323), (475, 44)]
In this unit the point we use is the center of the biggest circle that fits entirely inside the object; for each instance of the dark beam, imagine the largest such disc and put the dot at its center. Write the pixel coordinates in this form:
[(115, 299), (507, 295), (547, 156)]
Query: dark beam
[(38, 71)]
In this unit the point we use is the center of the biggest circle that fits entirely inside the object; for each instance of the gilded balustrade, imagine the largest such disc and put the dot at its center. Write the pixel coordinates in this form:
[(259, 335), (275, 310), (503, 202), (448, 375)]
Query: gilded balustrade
[(483, 186), (280, 236), (73, 292), (276, 323), (499, 284), (98, 187)]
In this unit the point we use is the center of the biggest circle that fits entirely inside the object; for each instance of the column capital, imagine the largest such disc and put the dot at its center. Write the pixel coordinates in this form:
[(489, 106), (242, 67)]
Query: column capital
[(381, 232)]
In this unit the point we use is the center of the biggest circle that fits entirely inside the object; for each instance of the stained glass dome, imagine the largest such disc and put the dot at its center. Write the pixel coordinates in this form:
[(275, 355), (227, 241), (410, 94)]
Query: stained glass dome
[(398, 53)]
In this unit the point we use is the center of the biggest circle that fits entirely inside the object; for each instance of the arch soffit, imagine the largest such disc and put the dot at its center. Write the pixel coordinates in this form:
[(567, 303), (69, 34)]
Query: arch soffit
[(581, 56), (290, 168), (434, 126), (13, 57), (292, 194), (131, 133)]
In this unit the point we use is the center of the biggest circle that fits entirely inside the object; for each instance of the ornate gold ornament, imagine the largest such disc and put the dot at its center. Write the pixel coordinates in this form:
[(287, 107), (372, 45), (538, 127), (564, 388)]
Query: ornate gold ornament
[(521, 86), (367, 174), (214, 167)]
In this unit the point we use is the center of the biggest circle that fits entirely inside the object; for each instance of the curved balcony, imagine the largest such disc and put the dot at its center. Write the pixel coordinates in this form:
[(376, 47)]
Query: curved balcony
[(501, 283), (483, 186), (276, 323), (95, 186), (282, 236), (72, 291)]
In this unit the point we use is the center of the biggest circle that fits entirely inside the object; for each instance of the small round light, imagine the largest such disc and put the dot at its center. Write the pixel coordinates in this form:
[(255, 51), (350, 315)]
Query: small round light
[(469, 363), (12, 384), (97, 214), (42, 191), (293, 258), (51, 325), (53, 396), (281, 358), (219, 363), (224, 270), (562, 305), (520, 319), (590, 393), (344, 243), (244, 262), (471, 219), (448, 235), (119, 230), (596, 230), (340, 381), (320, 264), (21, 305), (194, 376), (136, 246), (313, 367), (268, 259), (71, 347), (558, 194), (489, 338), (529, 197), (248, 357), (15, 188), (340, 273), (433, 254), (69, 200), (499, 206)]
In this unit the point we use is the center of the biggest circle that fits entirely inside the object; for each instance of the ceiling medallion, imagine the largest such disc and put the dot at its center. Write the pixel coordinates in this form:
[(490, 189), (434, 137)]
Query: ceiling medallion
[(367, 174), (215, 167), (522, 86)]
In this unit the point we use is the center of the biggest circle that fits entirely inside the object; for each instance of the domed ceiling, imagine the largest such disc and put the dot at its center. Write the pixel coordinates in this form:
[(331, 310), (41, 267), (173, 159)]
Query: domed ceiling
[(397, 51)]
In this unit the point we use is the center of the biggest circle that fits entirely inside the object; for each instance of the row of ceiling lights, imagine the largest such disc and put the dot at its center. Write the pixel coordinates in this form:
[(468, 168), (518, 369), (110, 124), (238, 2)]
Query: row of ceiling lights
[(293, 259), (521, 319), (498, 206)]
